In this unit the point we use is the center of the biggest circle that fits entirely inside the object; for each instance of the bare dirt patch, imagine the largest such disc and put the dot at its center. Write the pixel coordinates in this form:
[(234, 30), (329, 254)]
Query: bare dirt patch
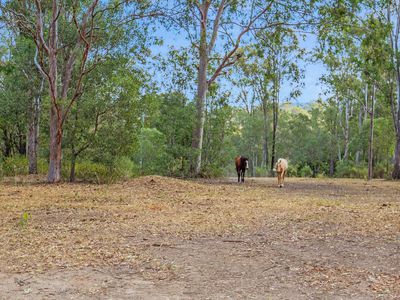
[(164, 238)]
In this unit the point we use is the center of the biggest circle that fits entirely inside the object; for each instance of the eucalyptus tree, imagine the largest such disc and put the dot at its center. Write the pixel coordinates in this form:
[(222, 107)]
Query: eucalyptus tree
[(71, 38), (218, 29), (389, 11), (268, 64), (375, 27), (111, 101)]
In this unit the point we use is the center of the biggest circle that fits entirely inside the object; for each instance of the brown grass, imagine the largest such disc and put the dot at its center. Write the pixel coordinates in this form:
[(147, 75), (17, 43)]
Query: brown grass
[(78, 225)]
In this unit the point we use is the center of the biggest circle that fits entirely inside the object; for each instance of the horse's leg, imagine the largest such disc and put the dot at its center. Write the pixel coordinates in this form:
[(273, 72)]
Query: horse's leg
[(283, 177), (279, 178), (238, 173), (243, 175)]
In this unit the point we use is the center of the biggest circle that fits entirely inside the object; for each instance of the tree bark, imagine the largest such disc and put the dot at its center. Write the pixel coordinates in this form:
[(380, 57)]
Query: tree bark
[(202, 87), (8, 148), (360, 121), (346, 130), (33, 131), (371, 136), (265, 128), (72, 172), (275, 109), (56, 131), (274, 127), (396, 169)]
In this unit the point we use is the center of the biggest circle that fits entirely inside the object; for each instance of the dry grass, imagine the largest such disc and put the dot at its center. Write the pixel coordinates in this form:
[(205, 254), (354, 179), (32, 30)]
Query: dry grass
[(45, 227)]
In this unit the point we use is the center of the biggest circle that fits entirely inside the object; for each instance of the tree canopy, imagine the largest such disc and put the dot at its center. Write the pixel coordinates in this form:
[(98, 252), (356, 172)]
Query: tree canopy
[(86, 93)]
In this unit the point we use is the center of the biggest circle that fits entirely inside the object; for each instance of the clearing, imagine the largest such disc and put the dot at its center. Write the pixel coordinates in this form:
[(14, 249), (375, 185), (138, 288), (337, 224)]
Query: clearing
[(162, 238)]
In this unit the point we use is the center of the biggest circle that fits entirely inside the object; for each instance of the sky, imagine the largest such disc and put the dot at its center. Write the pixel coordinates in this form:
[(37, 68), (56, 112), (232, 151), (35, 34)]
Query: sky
[(312, 90)]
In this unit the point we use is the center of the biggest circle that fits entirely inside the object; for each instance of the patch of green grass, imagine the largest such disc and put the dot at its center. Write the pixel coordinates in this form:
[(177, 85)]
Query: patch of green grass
[(23, 221)]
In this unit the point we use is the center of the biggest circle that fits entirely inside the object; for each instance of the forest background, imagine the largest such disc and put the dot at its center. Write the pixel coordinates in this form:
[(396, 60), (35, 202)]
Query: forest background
[(106, 90)]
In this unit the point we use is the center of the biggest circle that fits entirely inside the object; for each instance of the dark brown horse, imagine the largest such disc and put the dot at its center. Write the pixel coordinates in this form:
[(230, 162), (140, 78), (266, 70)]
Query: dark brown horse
[(242, 163)]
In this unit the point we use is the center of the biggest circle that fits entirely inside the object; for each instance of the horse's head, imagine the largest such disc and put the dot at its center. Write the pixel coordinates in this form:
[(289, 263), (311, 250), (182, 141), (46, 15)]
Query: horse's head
[(246, 161)]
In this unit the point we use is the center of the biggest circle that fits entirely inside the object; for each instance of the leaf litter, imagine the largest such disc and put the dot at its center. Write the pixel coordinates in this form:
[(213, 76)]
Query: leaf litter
[(326, 235)]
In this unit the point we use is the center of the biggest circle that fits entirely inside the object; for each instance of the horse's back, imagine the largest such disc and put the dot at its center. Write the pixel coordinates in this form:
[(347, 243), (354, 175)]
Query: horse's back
[(282, 163), (238, 161)]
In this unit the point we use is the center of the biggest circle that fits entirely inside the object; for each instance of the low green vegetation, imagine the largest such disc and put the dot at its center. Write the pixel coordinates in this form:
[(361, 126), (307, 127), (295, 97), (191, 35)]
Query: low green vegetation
[(123, 104)]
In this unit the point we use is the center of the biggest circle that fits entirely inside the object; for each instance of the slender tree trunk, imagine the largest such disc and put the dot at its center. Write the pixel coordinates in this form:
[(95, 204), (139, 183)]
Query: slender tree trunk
[(33, 134), (202, 87), (371, 136), (337, 133), (274, 123), (22, 142), (54, 174), (360, 121), (265, 128), (331, 165), (274, 127), (56, 129), (396, 169), (73, 164), (346, 130), (33, 131), (7, 143)]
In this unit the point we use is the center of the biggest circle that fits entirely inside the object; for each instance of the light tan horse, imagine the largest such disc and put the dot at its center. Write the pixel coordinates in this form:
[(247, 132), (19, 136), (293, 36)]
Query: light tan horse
[(281, 169)]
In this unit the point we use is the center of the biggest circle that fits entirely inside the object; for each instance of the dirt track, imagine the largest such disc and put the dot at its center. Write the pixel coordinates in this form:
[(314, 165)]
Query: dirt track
[(162, 238)]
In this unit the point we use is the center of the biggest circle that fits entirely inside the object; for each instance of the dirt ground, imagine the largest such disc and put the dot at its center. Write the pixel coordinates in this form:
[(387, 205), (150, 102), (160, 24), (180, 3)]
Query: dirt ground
[(164, 238)]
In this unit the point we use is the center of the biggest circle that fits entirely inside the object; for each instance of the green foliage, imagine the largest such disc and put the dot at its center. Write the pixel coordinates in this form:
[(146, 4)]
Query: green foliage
[(350, 170), (15, 165), (124, 168), (306, 171), (212, 171), (292, 170), (383, 170), (23, 221), (152, 156), (261, 172), (89, 172)]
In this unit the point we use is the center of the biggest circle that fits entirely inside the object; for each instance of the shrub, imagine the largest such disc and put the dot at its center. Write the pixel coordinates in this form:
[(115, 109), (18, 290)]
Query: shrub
[(87, 171), (15, 165), (381, 170), (92, 172), (212, 171), (179, 167), (292, 170), (349, 170), (123, 168), (42, 166), (306, 171), (261, 172)]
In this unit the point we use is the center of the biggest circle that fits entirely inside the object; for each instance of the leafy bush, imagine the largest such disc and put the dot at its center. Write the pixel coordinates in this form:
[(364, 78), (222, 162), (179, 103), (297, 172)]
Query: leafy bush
[(123, 168), (152, 156), (92, 172), (88, 171), (179, 167), (292, 170), (212, 171), (15, 165), (306, 171), (349, 170), (381, 170), (42, 166), (261, 172)]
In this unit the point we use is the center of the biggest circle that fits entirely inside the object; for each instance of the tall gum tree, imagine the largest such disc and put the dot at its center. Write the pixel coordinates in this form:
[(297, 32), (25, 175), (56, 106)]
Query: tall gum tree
[(218, 29), (65, 34), (393, 19)]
